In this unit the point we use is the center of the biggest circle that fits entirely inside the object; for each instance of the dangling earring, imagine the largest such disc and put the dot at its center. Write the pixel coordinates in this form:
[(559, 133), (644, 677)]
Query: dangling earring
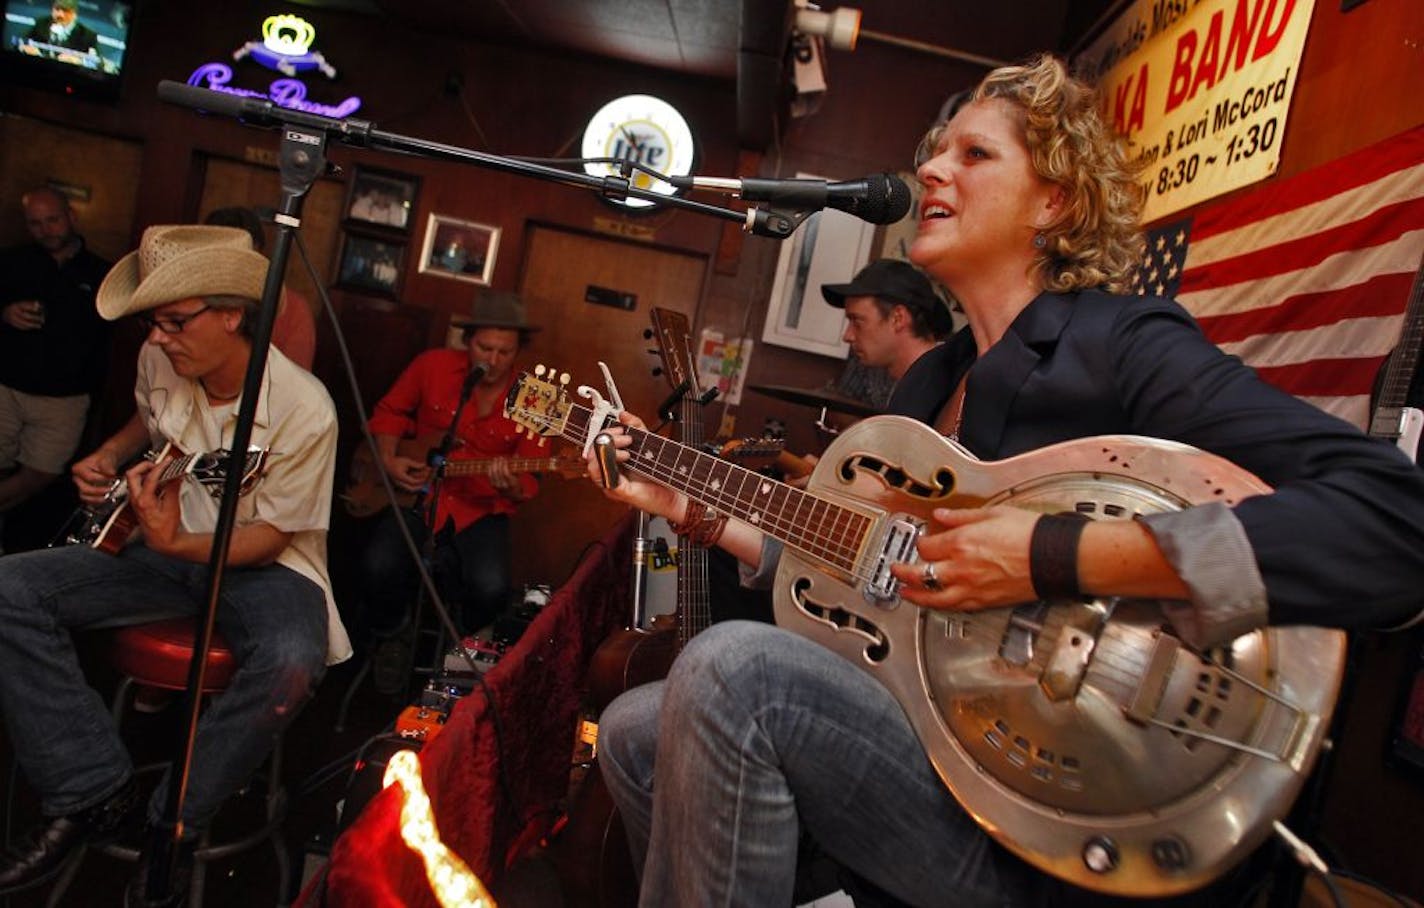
[(1039, 241)]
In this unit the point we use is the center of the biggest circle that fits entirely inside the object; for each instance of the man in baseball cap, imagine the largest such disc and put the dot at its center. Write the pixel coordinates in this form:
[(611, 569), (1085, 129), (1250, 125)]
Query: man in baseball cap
[(196, 288), (893, 318)]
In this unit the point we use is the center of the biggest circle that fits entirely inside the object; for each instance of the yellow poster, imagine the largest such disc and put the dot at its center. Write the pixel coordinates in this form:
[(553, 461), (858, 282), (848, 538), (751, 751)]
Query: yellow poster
[(1202, 90)]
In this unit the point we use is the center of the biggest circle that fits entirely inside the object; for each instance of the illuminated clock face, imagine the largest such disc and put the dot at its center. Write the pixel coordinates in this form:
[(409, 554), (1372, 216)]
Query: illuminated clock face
[(647, 130)]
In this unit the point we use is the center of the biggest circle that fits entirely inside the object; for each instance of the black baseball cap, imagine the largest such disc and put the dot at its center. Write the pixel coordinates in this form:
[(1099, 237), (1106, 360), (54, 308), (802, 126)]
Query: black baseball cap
[(895, 281)]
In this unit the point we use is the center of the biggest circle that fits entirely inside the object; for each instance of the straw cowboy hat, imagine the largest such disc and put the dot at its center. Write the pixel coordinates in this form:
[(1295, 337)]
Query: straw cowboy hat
[(495, 309), (178, 261)]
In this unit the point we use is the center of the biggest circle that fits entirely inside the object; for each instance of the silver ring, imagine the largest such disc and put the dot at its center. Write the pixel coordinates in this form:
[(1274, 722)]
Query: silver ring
[(928, 579)]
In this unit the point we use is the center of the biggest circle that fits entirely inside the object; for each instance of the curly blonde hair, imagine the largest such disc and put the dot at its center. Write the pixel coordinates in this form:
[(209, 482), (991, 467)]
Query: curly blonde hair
[(1097, 241)]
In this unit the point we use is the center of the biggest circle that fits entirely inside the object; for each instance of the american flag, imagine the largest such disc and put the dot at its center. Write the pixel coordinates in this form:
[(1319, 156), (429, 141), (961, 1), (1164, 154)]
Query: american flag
[(1306, 279)]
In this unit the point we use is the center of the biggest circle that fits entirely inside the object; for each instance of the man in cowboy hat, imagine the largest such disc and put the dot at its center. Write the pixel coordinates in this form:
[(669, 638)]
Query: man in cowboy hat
[(196, 289), (468, 515)]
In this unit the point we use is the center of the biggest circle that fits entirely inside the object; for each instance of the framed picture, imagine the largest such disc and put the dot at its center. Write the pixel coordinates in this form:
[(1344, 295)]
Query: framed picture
[(382, 198), (371, 264), (829, 248), (462, 250)]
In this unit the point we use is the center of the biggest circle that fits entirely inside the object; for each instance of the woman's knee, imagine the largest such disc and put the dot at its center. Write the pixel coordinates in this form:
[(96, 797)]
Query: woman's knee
[(723, 655), (628, 728)]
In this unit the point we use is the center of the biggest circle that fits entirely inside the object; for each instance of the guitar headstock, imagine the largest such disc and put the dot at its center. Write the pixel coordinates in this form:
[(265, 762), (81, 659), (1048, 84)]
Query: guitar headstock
[(674, 337), (537, 403), (752, 453)]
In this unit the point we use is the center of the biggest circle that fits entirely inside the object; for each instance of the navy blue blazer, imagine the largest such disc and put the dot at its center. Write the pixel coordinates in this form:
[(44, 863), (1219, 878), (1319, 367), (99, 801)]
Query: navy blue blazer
[(1340, 542)]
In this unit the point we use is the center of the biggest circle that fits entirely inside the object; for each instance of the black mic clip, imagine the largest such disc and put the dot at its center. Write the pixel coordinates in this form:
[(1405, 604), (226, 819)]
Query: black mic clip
[(477, 372), (776, 224)]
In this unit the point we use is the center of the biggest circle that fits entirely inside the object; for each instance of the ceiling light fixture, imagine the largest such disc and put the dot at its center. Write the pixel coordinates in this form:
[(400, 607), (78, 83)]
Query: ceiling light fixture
[(839, 29)]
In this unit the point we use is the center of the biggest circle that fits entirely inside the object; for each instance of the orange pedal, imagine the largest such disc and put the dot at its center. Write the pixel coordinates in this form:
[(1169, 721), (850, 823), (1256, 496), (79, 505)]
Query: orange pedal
[(420, 723)]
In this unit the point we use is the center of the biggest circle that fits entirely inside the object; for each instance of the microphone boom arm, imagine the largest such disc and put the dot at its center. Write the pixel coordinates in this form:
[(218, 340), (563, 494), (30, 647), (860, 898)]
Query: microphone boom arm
[(264, 113)]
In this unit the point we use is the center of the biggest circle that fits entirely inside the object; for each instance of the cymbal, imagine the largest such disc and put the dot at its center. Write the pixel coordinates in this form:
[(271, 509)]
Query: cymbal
[(817, 397)]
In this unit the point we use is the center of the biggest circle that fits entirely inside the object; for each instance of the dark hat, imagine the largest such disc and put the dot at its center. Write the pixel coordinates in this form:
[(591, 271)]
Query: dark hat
[(495, 309), (895, 281)]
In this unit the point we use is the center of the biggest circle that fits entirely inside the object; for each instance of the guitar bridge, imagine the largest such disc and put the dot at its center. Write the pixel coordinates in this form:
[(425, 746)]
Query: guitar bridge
[(897, 545)]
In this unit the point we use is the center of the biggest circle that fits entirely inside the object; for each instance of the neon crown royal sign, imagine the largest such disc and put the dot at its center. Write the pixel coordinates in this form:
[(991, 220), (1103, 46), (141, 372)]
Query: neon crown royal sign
[(285, 48)]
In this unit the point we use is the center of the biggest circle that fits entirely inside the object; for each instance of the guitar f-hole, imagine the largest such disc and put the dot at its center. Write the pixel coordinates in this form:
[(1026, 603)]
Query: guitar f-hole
[(940, 485), (877, 647)]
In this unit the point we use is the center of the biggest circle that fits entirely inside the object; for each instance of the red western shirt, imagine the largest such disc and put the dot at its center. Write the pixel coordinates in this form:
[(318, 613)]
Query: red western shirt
[(421, 404)]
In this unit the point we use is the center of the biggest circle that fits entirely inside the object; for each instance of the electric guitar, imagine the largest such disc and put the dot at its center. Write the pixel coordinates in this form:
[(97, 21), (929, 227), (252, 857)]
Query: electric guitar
[(109, 524), (1392, 418), (366, 495), (1081, 734)]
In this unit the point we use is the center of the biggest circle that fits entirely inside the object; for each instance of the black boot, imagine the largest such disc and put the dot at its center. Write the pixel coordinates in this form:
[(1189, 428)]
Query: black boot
[(137, 894), (41, 853)]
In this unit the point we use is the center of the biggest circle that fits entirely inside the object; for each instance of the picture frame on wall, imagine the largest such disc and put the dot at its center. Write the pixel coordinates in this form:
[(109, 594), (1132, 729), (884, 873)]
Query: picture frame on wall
[(382, 199), (458, 249), (371, 264), (828, 248)]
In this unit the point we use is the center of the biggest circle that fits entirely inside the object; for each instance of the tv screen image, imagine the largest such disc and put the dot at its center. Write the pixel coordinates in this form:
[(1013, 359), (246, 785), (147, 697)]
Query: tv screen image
[(69, 37)]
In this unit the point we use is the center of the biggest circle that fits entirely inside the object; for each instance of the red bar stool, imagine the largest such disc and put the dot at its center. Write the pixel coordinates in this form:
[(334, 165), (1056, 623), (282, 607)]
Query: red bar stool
[(157, 655)]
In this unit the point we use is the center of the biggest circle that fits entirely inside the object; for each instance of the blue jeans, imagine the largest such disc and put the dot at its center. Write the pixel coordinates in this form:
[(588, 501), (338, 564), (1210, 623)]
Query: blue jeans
[(470, 570), (64, 739), (758, 733)]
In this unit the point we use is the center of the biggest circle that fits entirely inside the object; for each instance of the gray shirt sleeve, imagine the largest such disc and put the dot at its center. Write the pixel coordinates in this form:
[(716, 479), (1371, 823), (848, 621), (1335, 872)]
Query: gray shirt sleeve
[(1208, 548), (760, 578)]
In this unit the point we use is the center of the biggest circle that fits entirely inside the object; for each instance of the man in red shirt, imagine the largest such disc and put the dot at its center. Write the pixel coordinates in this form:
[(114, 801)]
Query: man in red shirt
[(469, 515)]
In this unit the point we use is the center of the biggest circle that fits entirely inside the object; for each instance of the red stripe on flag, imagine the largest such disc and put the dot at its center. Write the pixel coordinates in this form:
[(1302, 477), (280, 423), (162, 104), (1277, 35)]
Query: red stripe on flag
[(1316, 185), (1381, 226), (1379, 296), (1325, 377)]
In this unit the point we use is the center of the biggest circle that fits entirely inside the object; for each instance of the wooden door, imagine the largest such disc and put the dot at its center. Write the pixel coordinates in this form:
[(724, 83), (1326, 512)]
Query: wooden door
[(562, 271)]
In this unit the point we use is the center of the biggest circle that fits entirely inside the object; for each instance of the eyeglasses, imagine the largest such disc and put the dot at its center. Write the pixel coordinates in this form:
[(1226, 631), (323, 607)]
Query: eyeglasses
[(171, 324)]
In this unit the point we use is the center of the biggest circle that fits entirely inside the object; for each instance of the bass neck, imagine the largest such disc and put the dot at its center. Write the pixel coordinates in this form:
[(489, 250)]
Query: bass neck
[(694, 599), (1393, 419)]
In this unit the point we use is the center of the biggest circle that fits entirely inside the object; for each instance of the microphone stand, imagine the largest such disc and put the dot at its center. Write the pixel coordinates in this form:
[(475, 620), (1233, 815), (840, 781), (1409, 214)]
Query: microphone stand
[(364, 134), (301, 160), (437, 458)]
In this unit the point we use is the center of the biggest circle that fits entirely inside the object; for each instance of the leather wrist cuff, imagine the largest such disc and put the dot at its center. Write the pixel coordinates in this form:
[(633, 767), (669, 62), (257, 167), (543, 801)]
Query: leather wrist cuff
[(1053, 555)]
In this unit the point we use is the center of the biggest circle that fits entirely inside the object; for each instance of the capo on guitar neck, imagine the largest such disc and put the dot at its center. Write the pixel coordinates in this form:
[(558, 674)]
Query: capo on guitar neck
[(601, 409)]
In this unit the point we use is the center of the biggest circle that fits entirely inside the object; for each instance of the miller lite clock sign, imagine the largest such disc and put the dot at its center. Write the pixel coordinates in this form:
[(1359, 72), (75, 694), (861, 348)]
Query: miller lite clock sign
[(645, 130)]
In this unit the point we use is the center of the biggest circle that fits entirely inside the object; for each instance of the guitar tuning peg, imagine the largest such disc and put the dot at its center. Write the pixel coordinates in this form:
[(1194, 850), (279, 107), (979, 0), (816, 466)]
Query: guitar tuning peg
[(539, 369)]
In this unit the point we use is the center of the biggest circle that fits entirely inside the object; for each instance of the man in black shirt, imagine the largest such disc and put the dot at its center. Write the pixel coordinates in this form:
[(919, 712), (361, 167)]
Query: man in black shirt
[(52, 344)]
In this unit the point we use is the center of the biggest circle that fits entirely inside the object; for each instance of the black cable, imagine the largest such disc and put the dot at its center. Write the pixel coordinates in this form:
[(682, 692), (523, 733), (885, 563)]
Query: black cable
[(1391, 894), (1336, 896)]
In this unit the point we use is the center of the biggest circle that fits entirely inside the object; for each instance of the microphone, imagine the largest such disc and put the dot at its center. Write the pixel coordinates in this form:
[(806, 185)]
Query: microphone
[(880, 198), (477, 372)]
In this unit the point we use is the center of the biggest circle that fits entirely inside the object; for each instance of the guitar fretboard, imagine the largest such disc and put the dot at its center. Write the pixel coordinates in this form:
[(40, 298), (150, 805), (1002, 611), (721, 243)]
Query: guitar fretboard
[(1399, 371), (483, 465), (820, 529)]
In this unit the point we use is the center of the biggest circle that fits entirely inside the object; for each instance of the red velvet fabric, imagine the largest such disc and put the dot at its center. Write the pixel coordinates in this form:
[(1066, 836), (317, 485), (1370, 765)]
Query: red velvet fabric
[(537, 689)]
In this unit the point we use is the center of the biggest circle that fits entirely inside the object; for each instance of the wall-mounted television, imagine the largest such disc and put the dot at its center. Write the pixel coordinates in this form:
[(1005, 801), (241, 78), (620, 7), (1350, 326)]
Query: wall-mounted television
[(77, 46)]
